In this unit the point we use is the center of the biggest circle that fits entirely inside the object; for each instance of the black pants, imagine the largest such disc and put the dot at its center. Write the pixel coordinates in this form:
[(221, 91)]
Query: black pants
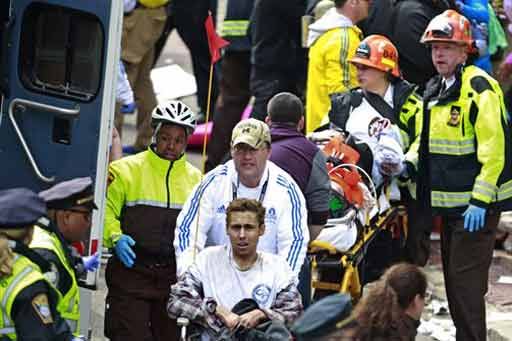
[(189, 17), (136, 306), (233, 97), (417, 245), (466, 258)]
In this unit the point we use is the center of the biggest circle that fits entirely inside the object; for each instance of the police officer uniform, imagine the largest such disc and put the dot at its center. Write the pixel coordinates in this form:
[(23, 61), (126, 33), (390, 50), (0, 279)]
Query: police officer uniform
[(49, 242), (27, 299), (323, 318)]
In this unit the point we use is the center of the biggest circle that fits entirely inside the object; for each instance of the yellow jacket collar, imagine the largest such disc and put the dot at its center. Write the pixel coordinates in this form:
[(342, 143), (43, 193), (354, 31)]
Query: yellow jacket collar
[(161, 164)]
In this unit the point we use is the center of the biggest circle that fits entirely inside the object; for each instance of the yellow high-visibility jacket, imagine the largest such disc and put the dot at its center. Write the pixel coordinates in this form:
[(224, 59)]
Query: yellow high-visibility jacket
[(464, 152), (144, 197), (329, 70)]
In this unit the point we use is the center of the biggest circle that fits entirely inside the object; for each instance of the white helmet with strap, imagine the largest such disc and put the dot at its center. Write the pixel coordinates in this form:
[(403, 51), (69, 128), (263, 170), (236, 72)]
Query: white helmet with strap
[(174, 112)]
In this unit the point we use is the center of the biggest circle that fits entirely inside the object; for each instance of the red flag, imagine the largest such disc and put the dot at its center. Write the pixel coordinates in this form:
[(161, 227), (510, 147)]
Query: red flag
[(215, 43)]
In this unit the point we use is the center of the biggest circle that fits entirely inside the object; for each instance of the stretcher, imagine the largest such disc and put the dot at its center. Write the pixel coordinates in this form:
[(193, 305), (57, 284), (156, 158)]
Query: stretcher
[(339, 253)]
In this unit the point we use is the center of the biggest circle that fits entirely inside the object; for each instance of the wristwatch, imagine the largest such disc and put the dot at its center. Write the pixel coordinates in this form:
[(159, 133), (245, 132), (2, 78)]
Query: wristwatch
[(210, 305)]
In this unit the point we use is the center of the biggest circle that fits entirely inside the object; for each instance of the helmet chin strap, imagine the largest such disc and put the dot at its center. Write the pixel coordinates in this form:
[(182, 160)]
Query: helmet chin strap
[(155, 133)]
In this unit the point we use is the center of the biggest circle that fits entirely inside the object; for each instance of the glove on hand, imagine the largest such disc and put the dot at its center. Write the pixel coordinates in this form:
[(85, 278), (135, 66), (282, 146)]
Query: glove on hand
[(129, 108), (474, 218), (124, 251), (91, 263)]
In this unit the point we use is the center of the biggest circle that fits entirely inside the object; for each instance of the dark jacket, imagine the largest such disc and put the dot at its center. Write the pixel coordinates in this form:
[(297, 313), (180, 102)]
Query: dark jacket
[(403, 22), (403, 329), (236, 23), (306, 164), (275, 33)]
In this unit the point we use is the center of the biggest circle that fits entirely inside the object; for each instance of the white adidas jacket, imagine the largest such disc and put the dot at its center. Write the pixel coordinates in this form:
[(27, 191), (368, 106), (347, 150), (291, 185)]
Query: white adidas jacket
[(286, 232)]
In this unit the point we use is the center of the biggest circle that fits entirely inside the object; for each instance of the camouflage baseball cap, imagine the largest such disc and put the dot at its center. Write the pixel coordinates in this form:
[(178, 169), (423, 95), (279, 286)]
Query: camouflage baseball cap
[(252, 132)]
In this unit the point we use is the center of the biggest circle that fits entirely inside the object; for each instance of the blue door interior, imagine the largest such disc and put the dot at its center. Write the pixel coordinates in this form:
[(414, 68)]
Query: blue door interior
[(53, 68)]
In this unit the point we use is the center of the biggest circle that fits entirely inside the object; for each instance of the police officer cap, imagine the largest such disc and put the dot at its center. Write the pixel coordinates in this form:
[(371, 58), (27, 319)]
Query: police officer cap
[(321, 317), (68, 194), (19, 208)]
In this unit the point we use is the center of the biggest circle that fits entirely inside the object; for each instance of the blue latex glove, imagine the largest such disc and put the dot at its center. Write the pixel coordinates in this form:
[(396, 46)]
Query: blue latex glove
[(124, 251), (128, 108), (91, 263), (474, 218)]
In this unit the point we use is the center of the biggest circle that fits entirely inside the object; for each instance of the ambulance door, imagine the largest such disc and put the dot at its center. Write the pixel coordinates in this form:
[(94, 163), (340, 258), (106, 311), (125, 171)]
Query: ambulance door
[(58, 67)]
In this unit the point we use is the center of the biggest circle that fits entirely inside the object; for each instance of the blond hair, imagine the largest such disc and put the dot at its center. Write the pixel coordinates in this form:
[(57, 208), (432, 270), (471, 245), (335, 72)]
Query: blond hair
[(6, 253)]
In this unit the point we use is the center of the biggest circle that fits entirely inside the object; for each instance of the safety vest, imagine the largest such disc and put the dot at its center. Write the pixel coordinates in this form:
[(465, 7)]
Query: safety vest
[(466, 144), (153, 3), (24, 274), (69, 302)]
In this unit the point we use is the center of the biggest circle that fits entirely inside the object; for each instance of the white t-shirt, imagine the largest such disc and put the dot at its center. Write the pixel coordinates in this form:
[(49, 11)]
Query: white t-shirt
[(227, 285)]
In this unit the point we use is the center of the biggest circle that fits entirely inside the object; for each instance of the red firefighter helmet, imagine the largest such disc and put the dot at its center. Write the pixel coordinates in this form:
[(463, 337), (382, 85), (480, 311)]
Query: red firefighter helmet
[(449, 26), (377, 52)]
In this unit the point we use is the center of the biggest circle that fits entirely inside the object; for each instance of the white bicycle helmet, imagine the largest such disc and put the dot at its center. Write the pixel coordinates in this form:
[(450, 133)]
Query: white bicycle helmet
[(174, 112)]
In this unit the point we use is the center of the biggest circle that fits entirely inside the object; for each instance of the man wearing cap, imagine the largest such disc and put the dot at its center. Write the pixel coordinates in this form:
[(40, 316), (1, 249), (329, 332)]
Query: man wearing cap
[(464, 167), (70, 204), (145, 194), (29, 301), (250, 175)]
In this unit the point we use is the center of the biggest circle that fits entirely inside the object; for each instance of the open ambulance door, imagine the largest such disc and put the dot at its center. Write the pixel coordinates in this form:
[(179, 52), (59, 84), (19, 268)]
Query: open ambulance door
[(58, 69)]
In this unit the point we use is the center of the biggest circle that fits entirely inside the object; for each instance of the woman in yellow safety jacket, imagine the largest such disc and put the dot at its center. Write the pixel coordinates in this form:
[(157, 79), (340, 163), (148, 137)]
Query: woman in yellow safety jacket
[(28, 301)]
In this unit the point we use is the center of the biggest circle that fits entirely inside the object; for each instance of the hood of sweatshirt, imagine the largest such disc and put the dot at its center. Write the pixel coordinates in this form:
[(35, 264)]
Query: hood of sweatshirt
[(330, 20)]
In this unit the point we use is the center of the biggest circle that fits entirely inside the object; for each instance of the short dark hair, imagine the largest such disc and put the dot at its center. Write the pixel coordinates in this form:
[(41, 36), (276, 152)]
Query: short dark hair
[(339, 3), (285, 107), (246, 205)]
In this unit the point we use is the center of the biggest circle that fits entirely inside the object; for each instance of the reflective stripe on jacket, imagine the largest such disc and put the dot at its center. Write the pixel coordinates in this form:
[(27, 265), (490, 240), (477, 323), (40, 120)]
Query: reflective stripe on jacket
[(24, 274), (68, 302), (144, 197), (465, 152)]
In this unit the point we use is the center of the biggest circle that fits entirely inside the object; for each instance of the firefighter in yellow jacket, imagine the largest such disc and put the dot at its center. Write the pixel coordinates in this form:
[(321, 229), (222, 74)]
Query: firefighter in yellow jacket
[(332, 41), (145, 194), (29, 301), (70, 205), (464, 164)]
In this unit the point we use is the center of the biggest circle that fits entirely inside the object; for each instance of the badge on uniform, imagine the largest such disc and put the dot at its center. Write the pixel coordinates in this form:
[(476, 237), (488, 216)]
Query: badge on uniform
[(454, 120), (42, 308)]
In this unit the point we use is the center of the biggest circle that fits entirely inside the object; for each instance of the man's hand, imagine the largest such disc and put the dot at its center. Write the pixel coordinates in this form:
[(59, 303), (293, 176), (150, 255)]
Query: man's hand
[(124, 250), (252, 318), (474, 218), (230, 319)]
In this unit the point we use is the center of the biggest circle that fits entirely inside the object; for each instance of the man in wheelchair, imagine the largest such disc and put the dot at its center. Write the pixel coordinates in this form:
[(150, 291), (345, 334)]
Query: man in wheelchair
[(234, 292)]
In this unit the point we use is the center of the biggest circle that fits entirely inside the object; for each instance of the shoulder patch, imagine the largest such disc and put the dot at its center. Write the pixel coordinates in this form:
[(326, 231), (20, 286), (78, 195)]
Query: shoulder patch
[(480, 84), (42, 308), (111, 177)]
